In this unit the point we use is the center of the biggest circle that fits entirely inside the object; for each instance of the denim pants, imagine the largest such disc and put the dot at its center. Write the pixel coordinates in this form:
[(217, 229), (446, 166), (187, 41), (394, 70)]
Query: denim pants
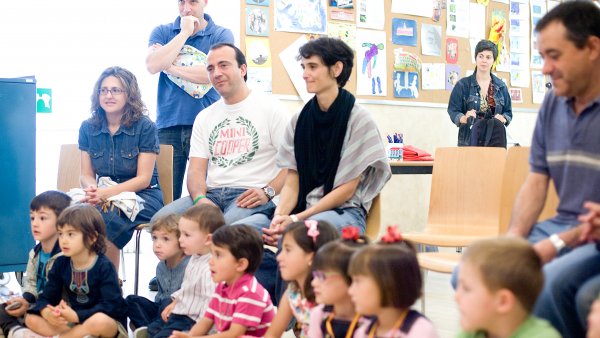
[(179, 138), (564, 278), (175, 322), (143, 312), (224, 198), (268, 274)]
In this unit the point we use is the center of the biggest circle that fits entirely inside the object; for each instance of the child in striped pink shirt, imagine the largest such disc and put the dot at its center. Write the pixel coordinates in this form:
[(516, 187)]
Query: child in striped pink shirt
[(240, 305)]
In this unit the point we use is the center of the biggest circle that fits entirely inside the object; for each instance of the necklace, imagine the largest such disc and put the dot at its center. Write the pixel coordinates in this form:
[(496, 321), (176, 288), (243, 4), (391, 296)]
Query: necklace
[(396, 325), (349, 333)]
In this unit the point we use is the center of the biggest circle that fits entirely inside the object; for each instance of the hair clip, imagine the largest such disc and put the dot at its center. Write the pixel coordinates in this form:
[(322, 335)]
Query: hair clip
[(312, 230), (392, 235), (351, 233)]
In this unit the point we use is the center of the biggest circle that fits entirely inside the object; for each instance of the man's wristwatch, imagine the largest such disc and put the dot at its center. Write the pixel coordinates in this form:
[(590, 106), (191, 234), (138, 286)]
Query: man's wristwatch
[(269, 191), (557, 242)]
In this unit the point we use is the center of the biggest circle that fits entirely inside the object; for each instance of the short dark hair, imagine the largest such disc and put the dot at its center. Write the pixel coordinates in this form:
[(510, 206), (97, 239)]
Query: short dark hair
[(55, 200), (240, 58), (488, 45), (208, 217), (580, 18), (508, 263), (331, 50), (87, 219), (336, 255), (242, 241), (299, 232), (395, 269)]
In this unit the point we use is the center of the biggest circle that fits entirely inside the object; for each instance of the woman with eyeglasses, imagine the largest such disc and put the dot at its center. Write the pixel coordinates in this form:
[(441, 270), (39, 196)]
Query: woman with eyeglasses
[(119, 144)]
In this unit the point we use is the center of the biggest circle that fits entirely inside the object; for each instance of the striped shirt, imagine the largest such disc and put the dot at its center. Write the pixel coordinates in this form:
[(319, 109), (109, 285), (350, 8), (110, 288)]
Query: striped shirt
[(246, 303), (363, 155), (196, 289), (566, 147)]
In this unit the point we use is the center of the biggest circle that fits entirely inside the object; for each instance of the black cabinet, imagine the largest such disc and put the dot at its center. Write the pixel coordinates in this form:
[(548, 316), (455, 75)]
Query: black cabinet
[(17, 170)]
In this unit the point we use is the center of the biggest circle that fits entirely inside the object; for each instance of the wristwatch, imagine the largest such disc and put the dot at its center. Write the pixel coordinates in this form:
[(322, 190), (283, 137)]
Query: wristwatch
[(269, 191), (557, 242)]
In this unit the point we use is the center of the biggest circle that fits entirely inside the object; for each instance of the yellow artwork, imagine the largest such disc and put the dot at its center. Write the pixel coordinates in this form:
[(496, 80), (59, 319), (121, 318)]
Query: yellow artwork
[(497, 31), (483, 2)]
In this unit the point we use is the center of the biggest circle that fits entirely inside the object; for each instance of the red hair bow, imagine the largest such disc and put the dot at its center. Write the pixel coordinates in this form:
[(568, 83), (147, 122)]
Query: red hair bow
[(351, 233), (392, 235)]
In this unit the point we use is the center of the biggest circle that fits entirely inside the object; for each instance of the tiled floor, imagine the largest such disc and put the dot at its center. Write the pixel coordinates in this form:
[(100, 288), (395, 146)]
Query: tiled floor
[(440, 306)]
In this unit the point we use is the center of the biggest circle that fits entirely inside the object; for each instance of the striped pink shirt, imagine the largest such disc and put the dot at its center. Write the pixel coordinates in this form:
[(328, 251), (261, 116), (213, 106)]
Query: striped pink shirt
[(247, 303)]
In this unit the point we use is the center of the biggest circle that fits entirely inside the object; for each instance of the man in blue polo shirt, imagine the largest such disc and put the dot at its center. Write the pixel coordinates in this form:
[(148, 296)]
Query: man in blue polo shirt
[(178, 51), (566, 149)]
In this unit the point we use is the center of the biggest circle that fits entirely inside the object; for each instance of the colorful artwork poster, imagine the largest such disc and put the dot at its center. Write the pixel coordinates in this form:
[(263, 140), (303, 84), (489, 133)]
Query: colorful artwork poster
[(516, 95), (258, 52), (257, 21), (452, 76), (343, 31), (258, 2), (341, 3), (371, 63), (431, 40), (404, 32), (406, 84), (370, 14), (406, 61), (303, 16), (451, 50), (433, 76)]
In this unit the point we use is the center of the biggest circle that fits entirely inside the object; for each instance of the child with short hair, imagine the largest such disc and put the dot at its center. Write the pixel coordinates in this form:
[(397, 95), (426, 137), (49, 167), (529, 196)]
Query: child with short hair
[(300, 242), (144, 314), (386, 282), (94, 304), (335, 316), (44, 210), (240, 306), (197, 224), (498, 284)]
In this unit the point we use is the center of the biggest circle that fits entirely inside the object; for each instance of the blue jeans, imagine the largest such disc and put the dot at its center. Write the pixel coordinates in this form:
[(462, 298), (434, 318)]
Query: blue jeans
[(539, 232), (179, 138), (175, 322), (564, 278), (224, 198), (144, 312)]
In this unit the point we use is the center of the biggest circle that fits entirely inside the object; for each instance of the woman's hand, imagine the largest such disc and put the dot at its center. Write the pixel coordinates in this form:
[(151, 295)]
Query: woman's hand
[(465, 118), (280, 222), (500, 118)]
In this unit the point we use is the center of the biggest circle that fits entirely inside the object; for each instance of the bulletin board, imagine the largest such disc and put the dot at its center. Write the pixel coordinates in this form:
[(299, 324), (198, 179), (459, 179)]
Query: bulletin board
[(278, 41)]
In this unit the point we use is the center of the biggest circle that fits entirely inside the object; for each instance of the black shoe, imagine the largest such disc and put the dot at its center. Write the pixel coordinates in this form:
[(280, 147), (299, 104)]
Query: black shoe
[(153, 285)]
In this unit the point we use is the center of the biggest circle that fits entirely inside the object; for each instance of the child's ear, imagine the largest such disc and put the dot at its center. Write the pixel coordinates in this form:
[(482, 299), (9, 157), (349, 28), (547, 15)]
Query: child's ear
[(208, 239), (242, 265), (505, 301), (93, 238)]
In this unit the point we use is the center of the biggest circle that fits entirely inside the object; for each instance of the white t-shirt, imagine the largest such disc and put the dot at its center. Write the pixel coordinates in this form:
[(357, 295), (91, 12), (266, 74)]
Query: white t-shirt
[(240, 141)]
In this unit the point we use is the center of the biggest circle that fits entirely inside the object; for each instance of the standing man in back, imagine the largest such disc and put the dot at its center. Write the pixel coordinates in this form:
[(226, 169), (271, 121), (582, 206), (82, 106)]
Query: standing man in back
[(178, 51)]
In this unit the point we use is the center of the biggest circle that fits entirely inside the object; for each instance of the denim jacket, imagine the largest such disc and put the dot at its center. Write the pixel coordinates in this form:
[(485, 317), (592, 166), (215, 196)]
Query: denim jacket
[(116, 156), (465, 96)]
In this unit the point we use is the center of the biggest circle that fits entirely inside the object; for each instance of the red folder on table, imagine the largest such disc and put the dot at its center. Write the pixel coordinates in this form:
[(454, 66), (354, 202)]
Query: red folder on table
[(411, 153)]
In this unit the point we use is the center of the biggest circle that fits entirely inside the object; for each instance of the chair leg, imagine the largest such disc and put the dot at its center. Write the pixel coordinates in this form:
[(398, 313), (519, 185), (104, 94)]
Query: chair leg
[(423, 294), (138, 234), (123, 266)]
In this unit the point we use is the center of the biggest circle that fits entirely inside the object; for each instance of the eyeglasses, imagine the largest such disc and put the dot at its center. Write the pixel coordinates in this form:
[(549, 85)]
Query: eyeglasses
[(322, 275), (113, 91)]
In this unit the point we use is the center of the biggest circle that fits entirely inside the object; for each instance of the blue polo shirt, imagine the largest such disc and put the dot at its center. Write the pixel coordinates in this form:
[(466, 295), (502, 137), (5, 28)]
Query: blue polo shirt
[(174, 106), (566, 147)]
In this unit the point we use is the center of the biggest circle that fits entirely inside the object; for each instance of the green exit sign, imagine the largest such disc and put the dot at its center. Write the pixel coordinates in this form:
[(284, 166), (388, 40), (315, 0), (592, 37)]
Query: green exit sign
[(44, 100)]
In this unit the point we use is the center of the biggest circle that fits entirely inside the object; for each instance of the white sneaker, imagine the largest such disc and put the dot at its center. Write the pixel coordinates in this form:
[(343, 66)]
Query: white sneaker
[(141, 332)]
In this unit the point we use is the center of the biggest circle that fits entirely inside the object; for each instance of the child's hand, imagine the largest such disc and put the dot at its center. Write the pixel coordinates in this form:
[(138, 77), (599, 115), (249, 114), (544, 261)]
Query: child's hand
[(52, 315), (179, 334), (67, 312), (167, 311), (19, 312)]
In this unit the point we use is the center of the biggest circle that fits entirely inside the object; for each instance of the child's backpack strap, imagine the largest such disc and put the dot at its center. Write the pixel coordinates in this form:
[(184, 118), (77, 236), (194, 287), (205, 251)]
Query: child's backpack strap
[(411, 318)]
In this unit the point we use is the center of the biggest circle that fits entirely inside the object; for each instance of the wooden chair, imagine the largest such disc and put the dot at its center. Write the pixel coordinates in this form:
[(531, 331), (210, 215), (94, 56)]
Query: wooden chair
[(164, 163), (69, 171), (374, 219)]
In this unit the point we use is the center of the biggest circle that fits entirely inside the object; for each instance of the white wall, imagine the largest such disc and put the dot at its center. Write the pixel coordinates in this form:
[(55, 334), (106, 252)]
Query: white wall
[(66, 44)]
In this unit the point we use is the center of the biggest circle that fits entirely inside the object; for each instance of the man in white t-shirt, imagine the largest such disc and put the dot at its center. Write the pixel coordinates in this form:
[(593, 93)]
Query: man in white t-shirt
[(233, 146)]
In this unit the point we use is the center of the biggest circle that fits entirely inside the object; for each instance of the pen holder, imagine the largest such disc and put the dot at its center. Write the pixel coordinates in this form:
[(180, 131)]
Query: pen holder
[(394, 151)]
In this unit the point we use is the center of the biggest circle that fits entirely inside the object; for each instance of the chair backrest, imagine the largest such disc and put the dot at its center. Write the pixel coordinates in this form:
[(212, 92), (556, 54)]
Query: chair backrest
[(465, 191), (515, 173), (374, 219), (69, 169)]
